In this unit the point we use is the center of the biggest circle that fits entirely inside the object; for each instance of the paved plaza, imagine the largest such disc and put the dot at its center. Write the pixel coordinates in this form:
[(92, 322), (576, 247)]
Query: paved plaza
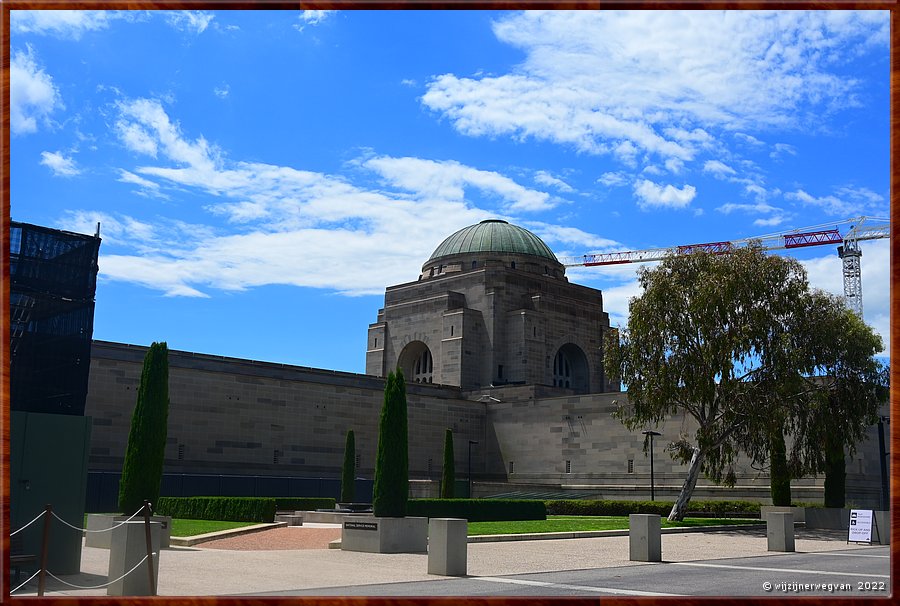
[(729, 562)]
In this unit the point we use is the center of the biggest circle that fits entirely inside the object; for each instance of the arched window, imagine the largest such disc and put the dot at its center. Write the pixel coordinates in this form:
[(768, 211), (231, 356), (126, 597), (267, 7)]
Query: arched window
[(562, 371), (570, 369), (424, 368)]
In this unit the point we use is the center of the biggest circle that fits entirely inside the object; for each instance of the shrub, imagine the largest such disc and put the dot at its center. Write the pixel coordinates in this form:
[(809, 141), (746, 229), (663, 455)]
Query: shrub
[(448, 475), (348, 472), (229, 509), (303, 503), (391, 488), (624, 508), (143, 465), (478, 510)]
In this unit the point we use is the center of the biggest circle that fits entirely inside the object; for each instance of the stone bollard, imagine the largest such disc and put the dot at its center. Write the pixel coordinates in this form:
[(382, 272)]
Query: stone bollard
[(447, 542), (127, 547), (883, 521), (644, 538), (780, 531)]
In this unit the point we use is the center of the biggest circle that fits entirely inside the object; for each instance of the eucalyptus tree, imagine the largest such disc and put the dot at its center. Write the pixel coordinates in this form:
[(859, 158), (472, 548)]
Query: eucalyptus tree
[(848, 384), (711, 337)]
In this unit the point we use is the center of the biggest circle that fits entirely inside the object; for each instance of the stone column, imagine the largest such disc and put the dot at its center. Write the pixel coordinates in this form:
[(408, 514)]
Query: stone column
[(644, 544), (127, 547), (447, 543), (780, 531)]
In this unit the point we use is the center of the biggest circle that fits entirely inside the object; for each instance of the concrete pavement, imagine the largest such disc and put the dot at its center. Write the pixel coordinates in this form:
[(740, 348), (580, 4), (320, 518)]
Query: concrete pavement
[(194, 571)]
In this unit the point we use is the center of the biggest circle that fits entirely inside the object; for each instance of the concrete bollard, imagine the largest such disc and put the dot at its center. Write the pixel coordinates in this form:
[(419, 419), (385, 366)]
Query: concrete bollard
[(780, 531), (127, 547), (644, 544), (447, 542)]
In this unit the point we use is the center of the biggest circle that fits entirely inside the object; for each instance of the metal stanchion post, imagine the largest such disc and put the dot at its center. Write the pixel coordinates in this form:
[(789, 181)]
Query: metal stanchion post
[(149, 547), (45, 544)]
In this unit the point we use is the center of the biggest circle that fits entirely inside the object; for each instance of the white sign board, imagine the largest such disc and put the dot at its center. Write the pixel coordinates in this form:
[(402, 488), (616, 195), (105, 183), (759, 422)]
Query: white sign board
[(860, 525)]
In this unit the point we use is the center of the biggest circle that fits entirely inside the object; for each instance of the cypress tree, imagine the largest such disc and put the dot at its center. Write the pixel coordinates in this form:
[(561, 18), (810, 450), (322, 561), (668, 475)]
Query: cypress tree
[(348, 492), (391, 488), (448, 478), (143, 466), (779, 474)]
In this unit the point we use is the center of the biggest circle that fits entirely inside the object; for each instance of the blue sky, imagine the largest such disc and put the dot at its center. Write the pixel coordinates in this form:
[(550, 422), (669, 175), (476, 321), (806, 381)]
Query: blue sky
[(261, 177)]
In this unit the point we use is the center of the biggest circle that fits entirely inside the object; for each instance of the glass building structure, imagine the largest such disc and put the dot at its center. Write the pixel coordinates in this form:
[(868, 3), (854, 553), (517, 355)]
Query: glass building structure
[(53, 281)]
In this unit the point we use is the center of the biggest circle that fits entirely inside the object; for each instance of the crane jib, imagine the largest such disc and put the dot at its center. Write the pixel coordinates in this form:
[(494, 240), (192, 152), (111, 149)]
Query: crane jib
[(813, 238)]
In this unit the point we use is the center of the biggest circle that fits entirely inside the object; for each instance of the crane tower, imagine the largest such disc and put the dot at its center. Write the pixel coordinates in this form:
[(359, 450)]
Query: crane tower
[(861, 228)]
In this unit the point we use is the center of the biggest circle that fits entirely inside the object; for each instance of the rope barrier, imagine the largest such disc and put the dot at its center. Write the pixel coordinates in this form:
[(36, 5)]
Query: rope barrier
[(105, 584), (102, 529), (29, 524), (28, 580)]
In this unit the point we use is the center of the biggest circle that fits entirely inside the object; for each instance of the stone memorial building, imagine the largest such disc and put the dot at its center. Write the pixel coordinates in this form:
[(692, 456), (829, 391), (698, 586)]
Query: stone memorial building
[(495, 343)]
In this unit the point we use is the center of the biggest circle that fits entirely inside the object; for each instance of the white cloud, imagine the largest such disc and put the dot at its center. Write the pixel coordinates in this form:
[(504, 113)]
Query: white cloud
[(62, 23), (831, 205), (59, 164), (573, 236), (651, 194), (544, 178), (629, 83), (781, 150), (748, 139), (32, 94), (772, 221), (717, 168), (861, 194), (145, 187), (222, 92), (313, 17), (613, 179), (351, 238), (194, 22), (449, 179), (777, 215)]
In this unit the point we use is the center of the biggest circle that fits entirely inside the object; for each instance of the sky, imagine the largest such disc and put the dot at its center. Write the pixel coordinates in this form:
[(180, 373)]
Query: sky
[(261, 177)]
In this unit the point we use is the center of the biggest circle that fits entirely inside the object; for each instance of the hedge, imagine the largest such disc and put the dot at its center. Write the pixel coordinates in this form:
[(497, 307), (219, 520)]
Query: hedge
[(231, 509), (717, 509), (303, 503), (478, 510)]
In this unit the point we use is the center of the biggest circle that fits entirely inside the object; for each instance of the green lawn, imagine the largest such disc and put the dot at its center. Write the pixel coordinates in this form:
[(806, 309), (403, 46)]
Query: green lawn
[(189, 528), (576, 523)]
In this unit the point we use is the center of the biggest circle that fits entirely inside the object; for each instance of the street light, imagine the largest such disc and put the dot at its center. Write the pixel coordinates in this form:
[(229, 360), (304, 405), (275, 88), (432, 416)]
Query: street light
[(651, 433), (470, 466), (885, 492)]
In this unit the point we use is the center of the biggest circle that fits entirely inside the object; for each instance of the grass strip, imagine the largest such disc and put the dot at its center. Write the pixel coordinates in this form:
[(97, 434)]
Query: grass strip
[(190, 528), (587, 523)]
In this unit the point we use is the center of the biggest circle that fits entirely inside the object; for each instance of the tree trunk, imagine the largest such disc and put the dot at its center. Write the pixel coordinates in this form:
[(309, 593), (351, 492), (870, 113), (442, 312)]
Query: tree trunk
[(679, 509), (779, 476)]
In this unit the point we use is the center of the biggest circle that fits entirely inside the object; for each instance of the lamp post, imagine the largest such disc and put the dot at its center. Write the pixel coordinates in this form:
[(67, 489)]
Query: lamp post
[(651, 433), (470, 466), (885, 492)]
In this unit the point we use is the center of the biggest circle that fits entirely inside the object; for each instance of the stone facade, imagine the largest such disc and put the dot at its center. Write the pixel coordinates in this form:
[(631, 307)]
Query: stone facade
[(231, 416), (492, 317)]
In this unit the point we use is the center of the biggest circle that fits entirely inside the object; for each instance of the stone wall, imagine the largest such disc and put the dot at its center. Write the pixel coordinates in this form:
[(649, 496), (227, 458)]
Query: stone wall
[(236, 416), (232, 416)]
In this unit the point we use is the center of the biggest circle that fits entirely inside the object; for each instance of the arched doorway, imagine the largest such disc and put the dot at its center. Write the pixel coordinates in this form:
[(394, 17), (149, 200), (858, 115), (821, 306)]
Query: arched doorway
[(570, 369), (417, 363)]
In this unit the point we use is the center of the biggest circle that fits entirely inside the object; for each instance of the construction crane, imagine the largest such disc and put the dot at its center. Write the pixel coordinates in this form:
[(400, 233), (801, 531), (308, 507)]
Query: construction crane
[(861, 228)]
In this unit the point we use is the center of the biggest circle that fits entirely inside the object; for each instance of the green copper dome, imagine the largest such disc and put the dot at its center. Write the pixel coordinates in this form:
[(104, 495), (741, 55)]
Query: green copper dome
[(493, 235)]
